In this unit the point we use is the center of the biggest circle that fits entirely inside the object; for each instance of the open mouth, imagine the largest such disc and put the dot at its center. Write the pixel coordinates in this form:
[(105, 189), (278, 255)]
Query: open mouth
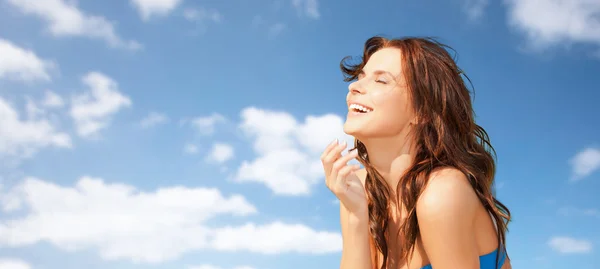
[(359, 108)]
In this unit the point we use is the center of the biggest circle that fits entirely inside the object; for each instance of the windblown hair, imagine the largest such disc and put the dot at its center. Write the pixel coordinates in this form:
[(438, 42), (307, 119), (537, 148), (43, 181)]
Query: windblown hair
[(446, 135)]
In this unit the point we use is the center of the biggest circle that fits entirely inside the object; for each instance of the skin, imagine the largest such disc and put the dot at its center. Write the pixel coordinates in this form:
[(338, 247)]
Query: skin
[(455, 228)]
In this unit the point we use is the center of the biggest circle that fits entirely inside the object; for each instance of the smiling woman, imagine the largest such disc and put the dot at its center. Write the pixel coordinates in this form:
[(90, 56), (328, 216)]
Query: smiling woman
[(424, 198)]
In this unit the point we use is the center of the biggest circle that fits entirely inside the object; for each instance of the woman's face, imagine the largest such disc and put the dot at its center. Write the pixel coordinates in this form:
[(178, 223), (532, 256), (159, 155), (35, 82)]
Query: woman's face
[(378, 102)]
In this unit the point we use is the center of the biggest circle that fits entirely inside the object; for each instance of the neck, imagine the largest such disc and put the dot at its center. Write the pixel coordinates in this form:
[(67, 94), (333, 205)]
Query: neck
[(390, 156)]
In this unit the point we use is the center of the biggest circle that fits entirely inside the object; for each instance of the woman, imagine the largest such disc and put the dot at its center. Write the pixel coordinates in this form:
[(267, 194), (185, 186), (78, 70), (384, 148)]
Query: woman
[(424, 199)]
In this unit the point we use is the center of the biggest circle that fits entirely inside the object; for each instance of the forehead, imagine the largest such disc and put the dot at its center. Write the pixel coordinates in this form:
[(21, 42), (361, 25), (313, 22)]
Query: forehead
[(387, 59)]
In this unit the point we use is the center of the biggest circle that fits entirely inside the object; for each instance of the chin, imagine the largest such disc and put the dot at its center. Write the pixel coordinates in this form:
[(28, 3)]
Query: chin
[(349, 128), (353, 130)]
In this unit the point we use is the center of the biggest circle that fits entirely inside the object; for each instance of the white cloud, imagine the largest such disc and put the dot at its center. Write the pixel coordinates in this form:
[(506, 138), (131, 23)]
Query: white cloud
[(157, 8), (273, 29), (287, 151), (41, 109), (209, 266), (276, 238), (52, 100), (206, 125), (10, 263), (585, 163), (64, 19), (121, 222), (21, 64), (220, 153), (257, 20), (190, 148), (93, 110), (475, 8), (202, 15), (117, 219), (568, 245), (573, 211), (32, 109), (153, 119), (201, 18), (308, 8), (22, 138), (549, 23), (276, 29)]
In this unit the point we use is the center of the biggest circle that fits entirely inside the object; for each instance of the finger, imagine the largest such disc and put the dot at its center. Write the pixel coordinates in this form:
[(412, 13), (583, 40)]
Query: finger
[(339, 178), (332, 175), (352, 183), (352, 178), (334, 154), (329, 148), (345, 171), (341, 162), (354, 186), (343, 176)]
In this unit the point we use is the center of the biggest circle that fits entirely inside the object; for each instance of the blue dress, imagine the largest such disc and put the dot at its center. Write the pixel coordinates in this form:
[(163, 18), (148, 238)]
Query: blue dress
[(486, 261)]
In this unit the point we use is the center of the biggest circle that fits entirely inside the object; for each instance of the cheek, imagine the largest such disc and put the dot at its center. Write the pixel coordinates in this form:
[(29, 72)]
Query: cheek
[(393, 108), (391, 100), (380, 98)]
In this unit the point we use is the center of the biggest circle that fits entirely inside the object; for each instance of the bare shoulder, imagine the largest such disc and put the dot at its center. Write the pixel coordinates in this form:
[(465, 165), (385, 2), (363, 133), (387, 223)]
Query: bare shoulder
[(446, 213), (362, 175), (448, 194)]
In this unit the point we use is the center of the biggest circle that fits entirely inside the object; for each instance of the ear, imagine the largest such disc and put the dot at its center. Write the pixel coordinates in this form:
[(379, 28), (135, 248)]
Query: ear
[(417, 117), (415, 120)]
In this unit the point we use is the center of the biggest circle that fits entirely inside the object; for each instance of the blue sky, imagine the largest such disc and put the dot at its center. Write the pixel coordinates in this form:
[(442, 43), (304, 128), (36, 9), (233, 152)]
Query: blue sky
[(186, 134)]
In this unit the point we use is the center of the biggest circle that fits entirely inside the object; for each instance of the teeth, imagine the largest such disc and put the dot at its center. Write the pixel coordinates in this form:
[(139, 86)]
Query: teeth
[(360, 108)]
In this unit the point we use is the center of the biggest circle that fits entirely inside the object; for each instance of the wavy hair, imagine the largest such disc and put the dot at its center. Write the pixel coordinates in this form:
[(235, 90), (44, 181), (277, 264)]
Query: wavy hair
[(446, 135)]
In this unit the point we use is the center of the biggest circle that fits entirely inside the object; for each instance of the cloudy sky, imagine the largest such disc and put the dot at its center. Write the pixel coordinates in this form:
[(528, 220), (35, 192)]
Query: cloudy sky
[(186, 134)]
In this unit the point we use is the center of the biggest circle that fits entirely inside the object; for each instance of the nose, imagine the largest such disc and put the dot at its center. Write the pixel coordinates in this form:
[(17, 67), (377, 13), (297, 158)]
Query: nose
[(355, 87)]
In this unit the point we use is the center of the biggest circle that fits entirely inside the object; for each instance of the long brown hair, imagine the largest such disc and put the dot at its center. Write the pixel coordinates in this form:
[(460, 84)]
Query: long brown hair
[(446, 135)]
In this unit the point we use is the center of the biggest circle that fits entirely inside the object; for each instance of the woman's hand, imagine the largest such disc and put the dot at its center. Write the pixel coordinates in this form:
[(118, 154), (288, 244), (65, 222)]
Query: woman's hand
[(341, 179)]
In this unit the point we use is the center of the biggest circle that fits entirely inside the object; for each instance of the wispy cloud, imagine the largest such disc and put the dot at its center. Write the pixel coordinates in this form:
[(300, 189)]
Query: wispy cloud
[(63, 19), (273, 29), (153, 119), (475, 8), (154, 8), (10, 263), (573, 211), (202, 18), (190, 148), (276, 29), (23, 138), (205, 125), (257, 21), (307, 8), (93, 110), (569, 245), (209, 266), (220, 153), (584, 163), (22, 64), (547, 24), (52, 100), (202, 15)]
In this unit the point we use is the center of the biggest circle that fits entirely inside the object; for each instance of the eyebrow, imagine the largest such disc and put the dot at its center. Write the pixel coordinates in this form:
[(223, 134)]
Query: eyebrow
[(377, 72)]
